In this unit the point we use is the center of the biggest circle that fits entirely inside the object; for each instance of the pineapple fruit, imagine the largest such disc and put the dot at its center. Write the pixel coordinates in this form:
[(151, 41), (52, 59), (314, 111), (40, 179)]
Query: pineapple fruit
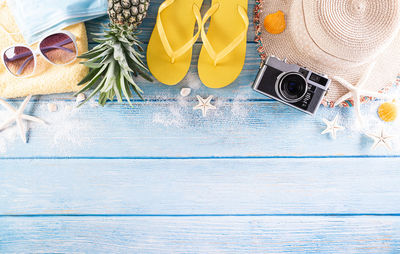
[(117, 59), (128, 11)]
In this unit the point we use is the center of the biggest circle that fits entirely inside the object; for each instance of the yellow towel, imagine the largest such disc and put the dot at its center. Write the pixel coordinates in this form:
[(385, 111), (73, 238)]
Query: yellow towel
[(47, 78)]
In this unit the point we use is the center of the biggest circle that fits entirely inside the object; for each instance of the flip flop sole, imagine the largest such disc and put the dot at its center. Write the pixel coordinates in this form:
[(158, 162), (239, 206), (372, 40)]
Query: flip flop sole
[(226, 24), (178, 22)]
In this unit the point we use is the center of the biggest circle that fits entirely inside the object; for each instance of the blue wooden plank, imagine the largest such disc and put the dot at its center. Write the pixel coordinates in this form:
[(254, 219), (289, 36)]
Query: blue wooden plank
[(173, 129), (325, 178), (187, 187), (201, 235)]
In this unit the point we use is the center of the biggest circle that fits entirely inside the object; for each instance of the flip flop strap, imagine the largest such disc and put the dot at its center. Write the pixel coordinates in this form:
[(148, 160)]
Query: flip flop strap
[(216, 57), (174, 54)]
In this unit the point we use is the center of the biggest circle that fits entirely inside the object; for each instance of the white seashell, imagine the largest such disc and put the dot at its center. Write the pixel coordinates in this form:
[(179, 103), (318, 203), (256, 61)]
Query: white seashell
[(185, 91), (81, 97), (52, 107)]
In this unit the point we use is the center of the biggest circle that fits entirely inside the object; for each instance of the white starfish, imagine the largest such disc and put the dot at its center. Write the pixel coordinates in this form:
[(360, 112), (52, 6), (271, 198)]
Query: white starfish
[(204, 104), (380, 139), (357, 91), (17, 116), (332, 127)]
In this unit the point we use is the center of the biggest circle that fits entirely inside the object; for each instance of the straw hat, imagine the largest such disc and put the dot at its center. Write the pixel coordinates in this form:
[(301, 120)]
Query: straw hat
[(338, 38)]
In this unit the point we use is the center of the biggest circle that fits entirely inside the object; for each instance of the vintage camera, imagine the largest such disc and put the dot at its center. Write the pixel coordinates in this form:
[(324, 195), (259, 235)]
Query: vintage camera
[(291, 84)]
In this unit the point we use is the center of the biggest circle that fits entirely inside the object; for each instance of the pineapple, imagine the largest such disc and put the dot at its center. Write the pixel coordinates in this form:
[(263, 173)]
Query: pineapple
[(118, 58), (128, 11)]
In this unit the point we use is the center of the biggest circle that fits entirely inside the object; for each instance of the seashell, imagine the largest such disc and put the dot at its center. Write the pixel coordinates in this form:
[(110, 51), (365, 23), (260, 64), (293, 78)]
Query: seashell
[(275, 23), (185, 91), (387, 111), (81, 97)]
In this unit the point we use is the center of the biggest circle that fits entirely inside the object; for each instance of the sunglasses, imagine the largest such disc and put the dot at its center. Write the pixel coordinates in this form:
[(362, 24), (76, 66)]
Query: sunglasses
[(57, 48)]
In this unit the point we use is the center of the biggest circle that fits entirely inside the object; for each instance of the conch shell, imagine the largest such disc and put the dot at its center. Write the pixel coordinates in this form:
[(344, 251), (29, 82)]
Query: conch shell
[(275, 23)]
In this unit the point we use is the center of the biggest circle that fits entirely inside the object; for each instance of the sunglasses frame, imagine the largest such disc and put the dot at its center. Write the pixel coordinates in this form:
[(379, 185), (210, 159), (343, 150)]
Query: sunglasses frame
[(37, 52)]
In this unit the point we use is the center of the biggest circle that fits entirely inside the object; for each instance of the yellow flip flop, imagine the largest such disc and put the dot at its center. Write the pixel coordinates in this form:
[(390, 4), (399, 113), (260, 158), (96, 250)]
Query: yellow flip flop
[(169, 52), (224, 46)]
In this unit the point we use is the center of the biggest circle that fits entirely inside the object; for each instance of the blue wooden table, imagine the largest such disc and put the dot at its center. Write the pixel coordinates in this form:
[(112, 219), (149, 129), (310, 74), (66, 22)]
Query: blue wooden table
[(253, 176)]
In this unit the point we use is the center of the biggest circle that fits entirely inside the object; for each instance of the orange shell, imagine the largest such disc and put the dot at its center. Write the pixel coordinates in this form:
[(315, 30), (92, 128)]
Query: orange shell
[(275, 23), (387, 112)]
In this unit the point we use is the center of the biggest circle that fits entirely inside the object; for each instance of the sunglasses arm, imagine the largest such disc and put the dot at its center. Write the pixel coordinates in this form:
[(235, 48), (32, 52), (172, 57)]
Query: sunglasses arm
[(24, 64), (59, 46)]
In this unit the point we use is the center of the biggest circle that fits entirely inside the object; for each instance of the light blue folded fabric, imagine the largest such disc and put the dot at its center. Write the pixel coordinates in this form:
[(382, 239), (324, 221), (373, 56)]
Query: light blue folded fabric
[(35, 18)]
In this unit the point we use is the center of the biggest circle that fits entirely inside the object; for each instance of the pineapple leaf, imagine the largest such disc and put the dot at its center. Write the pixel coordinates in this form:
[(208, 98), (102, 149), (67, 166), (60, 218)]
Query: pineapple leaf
[(103, 99), (94, 92), (97, 57), (99, 34), (140, 71), (96, 75), (130, 49), (88, 77), (117, 87), (110, 78), (140, 48), (139, 93), (99, 46), (91, 54), (137, 61), (92, 74), (100, 40), (124, 40), (98, 49), (92, 65), (89, 85), (124, 90), (133, 84), (115, 61), (120, 57), (128, 77)]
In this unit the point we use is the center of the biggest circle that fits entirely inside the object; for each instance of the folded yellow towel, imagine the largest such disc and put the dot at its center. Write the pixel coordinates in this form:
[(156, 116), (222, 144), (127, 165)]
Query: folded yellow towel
[(47, 78)]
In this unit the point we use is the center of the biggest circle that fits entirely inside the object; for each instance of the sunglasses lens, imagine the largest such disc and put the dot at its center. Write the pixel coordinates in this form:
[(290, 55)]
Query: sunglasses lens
[(19, 61), (58, 48)]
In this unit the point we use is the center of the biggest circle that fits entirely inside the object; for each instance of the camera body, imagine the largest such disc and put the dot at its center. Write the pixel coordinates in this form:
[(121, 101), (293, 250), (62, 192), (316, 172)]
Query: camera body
[(292, 85)]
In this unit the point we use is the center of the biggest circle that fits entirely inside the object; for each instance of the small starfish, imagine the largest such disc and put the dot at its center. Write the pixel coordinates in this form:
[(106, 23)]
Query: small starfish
[(204, 104), (380, 139), (332, 127), (18, 116), (357, 91)]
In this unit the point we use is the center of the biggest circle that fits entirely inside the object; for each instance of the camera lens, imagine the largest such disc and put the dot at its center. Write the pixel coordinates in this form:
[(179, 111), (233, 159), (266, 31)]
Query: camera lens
[(292, 87)]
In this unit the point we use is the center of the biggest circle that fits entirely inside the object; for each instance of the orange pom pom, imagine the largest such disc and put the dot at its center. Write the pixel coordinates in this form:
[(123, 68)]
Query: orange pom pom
[(275, 23)]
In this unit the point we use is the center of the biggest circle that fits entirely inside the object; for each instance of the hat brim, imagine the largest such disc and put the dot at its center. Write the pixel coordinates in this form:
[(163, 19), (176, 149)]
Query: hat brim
[(286, 45)]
